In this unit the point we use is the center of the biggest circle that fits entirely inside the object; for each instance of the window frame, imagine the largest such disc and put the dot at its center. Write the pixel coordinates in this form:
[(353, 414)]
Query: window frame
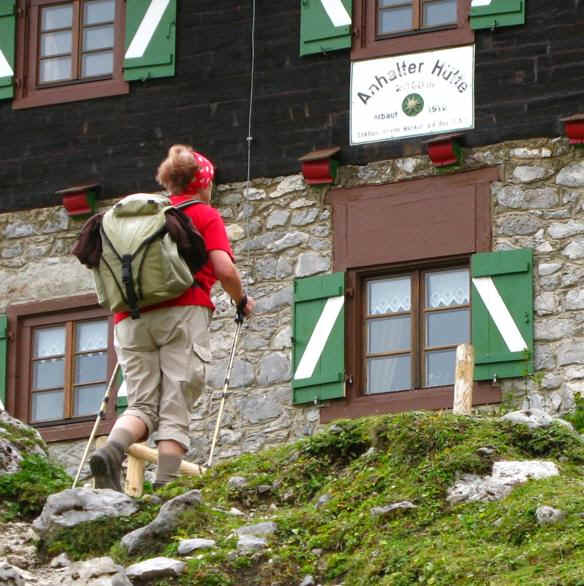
[(22, 318), (367, 45), (417, 313), (28, 93), (360, 257)]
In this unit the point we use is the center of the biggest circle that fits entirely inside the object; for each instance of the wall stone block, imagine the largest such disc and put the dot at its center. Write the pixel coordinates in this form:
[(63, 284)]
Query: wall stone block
[(515, 196), (572, 175), (311, 263)]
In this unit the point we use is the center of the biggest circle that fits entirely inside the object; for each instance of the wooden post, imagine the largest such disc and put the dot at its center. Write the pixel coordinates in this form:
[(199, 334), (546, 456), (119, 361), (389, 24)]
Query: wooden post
[(99, 443), (134, 485), (463, 380), (145, 453)]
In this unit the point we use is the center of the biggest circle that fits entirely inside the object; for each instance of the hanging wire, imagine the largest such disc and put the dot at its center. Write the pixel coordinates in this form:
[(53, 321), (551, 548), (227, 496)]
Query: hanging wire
[(249, 138)]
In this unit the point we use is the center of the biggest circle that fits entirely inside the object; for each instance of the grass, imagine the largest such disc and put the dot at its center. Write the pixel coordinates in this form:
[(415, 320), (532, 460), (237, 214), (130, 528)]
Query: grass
[(361, 464)]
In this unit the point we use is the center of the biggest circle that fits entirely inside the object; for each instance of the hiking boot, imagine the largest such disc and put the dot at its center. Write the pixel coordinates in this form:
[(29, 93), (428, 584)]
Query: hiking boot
[(106, 470)]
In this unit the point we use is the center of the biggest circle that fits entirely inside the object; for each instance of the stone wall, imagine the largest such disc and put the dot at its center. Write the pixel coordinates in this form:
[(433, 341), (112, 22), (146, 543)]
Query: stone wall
[(281, 229)]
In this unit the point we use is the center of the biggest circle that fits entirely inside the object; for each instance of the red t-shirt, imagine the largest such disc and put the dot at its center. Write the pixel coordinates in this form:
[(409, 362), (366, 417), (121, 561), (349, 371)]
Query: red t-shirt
[(209, 223)]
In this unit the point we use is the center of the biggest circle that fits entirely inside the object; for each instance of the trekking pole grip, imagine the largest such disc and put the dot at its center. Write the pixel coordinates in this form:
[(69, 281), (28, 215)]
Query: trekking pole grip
[(240, 309)]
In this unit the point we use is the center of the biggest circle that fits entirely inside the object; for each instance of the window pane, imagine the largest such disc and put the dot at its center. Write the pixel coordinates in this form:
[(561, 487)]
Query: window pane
[(101, 37), (55, 69), (48, 342), (91, 335), (440, 367), (389, 296), (445, 328), (389, 335), (98, 64), (383, 3), (56, 43), (440, 13), (47, 406), (55, 17), (97, 11), (388, 374), (395, 20), (447, 288), (88, 400), (90, 368), (48, 374)]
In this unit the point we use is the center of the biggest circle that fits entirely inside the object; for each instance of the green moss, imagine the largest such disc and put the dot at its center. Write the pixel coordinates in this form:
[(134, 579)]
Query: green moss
[(417, 457), (25, 492)]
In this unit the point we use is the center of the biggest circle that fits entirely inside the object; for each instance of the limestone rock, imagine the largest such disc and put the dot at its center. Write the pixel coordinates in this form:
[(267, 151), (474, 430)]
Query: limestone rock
[(387, 510), (96, 572), (10, 576), (250, 543), (151, 569), (80, 505), (187, 546), (258, 530), (470, 487), (15, 443), (572, 175), (548, 515), (164, 523), (534, 418)]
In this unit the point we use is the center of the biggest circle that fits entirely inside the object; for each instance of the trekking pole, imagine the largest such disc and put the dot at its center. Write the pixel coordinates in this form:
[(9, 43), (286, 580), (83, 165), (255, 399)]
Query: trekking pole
[(100, 415), (239, 320)]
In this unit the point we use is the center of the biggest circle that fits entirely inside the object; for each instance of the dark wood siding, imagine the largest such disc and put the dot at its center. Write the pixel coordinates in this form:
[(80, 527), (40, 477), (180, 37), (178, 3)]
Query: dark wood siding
[(527, 78)]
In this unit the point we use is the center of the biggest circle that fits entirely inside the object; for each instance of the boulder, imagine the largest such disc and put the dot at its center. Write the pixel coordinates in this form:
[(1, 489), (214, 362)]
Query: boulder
[(164, 524), (80, 505), (16, 441)]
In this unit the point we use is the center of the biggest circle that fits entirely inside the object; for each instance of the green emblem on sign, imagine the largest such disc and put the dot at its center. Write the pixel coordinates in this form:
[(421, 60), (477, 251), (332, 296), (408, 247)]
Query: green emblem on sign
[(413, 104)]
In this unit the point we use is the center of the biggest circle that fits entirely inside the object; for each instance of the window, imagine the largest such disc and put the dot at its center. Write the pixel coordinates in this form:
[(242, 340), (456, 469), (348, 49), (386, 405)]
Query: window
[(68, 369), (395, 27), (413, 323), (72, 51), (404, 249), (60, 360)]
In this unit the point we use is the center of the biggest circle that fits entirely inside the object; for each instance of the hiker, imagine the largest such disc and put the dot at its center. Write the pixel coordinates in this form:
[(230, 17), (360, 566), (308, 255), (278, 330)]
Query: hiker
[(163, 353)]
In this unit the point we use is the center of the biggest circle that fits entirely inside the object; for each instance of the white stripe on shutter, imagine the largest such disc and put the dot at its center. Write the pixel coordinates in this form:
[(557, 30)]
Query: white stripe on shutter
[(500, 314), (5, 69), (478, 3), (319, 337), (123, 390), (146, 29), (336, 12)]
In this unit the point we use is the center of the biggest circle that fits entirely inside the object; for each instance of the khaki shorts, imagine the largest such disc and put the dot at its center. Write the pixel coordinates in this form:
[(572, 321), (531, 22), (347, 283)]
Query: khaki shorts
[(163, 356)]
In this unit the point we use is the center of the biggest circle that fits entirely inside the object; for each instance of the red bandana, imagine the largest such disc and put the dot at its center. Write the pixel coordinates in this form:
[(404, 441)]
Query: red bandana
[(204, 176)]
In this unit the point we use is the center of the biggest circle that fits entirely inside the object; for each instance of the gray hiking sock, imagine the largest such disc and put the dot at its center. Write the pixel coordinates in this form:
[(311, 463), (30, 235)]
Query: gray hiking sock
[(168, 465), (122, 437)]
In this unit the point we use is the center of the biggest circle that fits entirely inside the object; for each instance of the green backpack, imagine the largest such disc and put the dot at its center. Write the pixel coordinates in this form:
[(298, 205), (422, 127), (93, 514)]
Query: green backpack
[(140, 264)]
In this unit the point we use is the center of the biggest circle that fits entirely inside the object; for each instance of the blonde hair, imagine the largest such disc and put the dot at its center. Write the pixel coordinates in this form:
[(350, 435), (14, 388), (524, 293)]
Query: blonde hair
[(178, 170)]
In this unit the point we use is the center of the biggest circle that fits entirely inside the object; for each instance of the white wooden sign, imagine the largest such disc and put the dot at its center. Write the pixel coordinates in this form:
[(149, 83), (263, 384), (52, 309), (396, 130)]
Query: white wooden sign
[(412, 95)]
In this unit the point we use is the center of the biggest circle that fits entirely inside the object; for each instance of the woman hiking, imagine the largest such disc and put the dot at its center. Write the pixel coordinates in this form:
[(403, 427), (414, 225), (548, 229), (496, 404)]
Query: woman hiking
[(163, 354)]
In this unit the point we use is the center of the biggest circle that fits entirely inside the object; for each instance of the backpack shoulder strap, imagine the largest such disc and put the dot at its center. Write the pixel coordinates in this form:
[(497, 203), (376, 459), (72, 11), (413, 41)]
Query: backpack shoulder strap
[(186, 204)]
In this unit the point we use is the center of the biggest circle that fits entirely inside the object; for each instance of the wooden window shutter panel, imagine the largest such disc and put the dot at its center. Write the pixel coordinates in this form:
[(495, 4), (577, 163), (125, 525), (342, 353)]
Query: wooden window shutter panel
[(319, 338), (502, 313), (150, 46), (3, 357), (496, 13), (7, 44), (325, 25)]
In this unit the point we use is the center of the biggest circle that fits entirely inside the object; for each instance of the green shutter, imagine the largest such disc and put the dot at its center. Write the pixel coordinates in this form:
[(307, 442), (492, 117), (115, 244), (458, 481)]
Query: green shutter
[(325, 26), (3, 357), (320, 375), (121, 401), (7, 41), (502, 313), (150, 39), (496, 13)]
